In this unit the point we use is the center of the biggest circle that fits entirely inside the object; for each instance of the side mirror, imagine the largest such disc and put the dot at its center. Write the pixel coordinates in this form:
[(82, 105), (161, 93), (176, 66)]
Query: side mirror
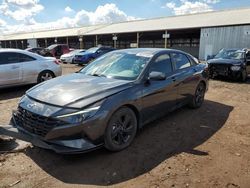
[(157, 76)]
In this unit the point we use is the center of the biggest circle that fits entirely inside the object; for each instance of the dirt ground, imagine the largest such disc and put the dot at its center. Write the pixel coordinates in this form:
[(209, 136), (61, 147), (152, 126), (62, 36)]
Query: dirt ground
[(208, 147)]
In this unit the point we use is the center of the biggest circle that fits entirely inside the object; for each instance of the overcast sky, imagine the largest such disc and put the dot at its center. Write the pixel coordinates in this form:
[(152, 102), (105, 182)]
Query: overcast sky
[(32, 15)]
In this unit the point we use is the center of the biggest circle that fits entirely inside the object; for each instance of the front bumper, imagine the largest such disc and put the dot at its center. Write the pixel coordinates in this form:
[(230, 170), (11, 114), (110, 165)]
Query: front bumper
[(66, 59), (223, 70), (65, 139), (58, 146)]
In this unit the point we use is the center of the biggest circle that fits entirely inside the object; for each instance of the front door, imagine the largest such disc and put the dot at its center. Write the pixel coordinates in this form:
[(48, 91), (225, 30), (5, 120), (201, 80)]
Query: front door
[(10, 69), (159, 97)]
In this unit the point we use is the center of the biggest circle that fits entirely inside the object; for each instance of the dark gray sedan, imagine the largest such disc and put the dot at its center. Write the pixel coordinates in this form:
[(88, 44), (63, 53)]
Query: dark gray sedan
[(109, 100)]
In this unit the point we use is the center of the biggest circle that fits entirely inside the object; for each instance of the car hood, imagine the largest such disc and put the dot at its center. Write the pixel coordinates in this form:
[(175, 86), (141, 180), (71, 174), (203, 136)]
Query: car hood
[(77, 90), (224, 61), (84, 54)]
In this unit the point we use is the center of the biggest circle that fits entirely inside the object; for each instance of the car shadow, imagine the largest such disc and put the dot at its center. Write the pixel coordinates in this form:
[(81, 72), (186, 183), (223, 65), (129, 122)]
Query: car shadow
[(13, 92), (180, 131)]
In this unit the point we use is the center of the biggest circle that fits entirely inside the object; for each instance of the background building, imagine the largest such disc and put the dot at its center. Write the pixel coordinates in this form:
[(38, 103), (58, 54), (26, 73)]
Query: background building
[(200, 34)]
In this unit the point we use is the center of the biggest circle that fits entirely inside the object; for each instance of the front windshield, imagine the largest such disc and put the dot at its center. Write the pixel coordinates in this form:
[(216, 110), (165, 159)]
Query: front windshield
[(92, 50), (230, 54), (118, 65)]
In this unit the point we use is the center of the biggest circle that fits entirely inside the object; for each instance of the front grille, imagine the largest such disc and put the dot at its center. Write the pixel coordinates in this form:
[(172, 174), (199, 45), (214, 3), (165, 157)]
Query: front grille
[(34, 123), (219, 68)]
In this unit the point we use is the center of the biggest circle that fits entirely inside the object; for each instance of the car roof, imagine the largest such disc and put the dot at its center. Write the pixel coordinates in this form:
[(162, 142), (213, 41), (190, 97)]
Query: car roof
[(152, 51), (21, 51)]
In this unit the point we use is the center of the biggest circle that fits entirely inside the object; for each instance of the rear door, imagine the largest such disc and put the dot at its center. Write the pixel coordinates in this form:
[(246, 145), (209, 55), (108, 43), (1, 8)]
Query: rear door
[(186, 76), (30, 68), (159, 97), (10, 69)]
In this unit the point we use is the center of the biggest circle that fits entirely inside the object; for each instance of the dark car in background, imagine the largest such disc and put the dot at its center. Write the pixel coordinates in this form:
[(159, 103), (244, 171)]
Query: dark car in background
[(109, 100), (91, 54), (231, 63)]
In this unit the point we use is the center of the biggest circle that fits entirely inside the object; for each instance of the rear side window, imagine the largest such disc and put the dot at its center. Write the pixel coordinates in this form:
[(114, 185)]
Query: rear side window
[(162, 64), (180, 60), (25, 58), (193, 60), (12, 57)]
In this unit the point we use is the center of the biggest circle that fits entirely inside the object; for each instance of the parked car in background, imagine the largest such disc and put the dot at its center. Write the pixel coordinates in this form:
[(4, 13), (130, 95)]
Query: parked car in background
[(109, 100), (231, 63), (91, 54), (35, 50), (69, 57), (55, 50), (20, 67)]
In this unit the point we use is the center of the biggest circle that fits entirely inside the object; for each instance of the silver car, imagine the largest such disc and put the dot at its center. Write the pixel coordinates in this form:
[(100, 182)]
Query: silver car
[(69, 57), (20, 67)]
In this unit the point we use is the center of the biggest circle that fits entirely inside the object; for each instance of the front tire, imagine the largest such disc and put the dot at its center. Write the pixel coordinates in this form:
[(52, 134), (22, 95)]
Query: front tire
[(121, 129), (199, 96), (44, 76), (243, 77)]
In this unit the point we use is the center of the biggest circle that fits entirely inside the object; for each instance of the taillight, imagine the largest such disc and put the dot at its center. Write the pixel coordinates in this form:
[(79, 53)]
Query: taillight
[(57, 61)]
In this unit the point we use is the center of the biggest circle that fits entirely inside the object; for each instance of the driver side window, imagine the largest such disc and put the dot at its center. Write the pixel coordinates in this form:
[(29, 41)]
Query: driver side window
[(162, 64)]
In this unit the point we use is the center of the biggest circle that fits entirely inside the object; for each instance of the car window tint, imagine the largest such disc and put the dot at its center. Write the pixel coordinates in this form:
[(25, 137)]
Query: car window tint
[(25, 58), (162, 64), (8, 58), (181, 61)]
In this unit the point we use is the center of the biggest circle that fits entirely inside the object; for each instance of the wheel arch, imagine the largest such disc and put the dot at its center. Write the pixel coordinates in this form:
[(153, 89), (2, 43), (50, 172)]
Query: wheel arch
[(136, 111), (45, 70)]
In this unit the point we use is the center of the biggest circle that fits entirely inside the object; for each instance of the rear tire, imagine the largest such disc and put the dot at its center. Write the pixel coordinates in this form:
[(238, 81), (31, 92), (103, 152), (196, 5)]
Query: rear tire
[(45, 75), (121, 129), (198, 97)]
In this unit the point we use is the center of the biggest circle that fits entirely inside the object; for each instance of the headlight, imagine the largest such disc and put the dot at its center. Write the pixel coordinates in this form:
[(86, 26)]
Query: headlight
[(80, 116), (235, 68)]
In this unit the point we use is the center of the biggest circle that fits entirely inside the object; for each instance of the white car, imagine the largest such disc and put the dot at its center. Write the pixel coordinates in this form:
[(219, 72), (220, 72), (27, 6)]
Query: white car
[(68, 58), (20, 67)]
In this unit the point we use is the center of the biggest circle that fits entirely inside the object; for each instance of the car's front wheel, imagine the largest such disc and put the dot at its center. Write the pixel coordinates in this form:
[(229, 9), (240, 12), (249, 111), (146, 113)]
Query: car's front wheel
[(121, 129), (44, 76), (199, 96), (243, 76)]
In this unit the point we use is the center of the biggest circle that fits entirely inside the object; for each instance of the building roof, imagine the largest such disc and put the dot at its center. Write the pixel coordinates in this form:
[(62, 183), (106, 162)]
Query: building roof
[(80, 31), (199, 20)]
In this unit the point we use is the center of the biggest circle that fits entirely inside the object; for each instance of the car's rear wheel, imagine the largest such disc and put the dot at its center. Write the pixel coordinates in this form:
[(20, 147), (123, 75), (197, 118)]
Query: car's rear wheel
[(44, 76), (199, 96), (121, 129)]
